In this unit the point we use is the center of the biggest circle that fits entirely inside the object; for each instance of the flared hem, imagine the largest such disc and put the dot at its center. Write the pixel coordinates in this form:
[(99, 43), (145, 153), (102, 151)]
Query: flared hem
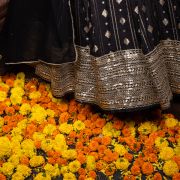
[(122, 80)]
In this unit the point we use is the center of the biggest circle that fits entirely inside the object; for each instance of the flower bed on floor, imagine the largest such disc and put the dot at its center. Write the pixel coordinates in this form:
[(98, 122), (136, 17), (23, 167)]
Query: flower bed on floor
[(43, 138)]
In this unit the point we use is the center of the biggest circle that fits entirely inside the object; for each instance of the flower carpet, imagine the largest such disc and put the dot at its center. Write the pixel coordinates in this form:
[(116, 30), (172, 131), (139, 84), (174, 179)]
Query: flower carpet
[(44, 138)]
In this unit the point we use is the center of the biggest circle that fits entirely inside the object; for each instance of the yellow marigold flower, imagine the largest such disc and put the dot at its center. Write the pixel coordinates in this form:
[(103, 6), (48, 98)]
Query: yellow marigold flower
[(115, 133), (177, 150), (3, 95), (25, 170), (38, 114), (120, 149), (20, 75), (161, 142), (122, 164), (64, 169), (15, 146), (5, 147), (19, 83), (78, 125), (22, 124), (49, 129), (60, 146), (50, 113), (5, 86), (69, 176), (19, 91), (36, 161), (1, 121), (145, 128), (90, 163), (25, 109), (65, 128), (60, 137), (42, 176), (18, 176), (14, 159), (170, 168), (47, 145), (166, 153), (35, 95), (74, 166), (18, 138), (108, 129), (171, 122), (16, 131), (15, 99), (38, 136), (7, 168), (28, 148), (69, 154), (51, 170)]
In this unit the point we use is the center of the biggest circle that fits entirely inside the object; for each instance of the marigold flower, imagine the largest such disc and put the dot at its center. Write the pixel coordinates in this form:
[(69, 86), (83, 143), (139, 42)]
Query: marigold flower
[(166, 153), (2, 177), (106, 140), (147, 168), (122, 164), (157, 176), (170, 168), (176, 176), (74, 166), (135, 170)]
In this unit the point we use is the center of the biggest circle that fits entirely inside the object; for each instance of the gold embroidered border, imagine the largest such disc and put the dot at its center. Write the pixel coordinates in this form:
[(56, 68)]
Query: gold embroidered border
[(119, 80)]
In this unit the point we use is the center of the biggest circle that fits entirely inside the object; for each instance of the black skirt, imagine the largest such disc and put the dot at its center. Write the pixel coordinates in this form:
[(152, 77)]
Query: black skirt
[(38, 31), (127, 53)]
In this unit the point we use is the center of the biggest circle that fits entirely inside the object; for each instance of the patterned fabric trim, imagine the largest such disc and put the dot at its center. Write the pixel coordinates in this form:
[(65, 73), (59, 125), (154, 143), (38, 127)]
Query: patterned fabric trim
[(120, 80)]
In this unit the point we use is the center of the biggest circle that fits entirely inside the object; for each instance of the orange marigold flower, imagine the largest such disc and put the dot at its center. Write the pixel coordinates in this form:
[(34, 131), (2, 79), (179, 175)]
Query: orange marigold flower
[(100, 122), (106, 140), (64, 117), (81, 171), (82, 177), (177, 160), (79, 145), (100, 165), (51, 160), (10, 82), (157, 176), (2, 177), (129, 177), (95, 154), (87, 123), (81, 117), (109, 170), (147, 168), (24, 160), (97, 131), (118, 124), (128, 156), (135, 170), (63, 107), (37, 144), (92, 174), (72, 134), (6, 128), (126, 132), (152, 157), (50, 153), (81, 158), (102, 148), (61, 161), (93, 145), (10, 110), (176, 176)]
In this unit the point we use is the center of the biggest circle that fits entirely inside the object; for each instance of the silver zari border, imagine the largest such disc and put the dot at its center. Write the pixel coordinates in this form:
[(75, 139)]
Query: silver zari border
[(119, 80)]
